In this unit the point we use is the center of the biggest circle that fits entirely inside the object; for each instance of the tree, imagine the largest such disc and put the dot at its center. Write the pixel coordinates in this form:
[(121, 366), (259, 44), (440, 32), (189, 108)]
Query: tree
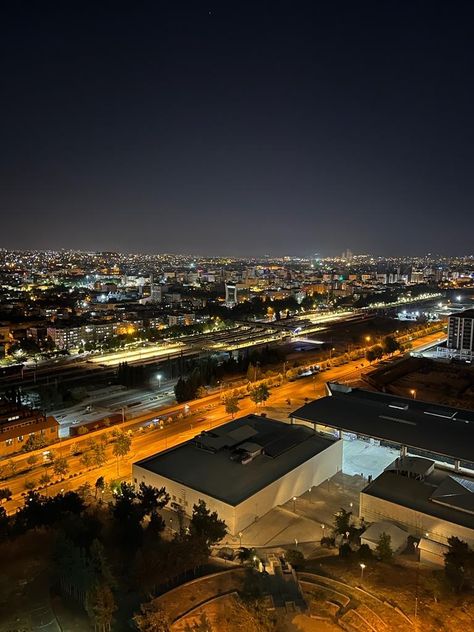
[(99, 456), (245, 554), (231, 405), (60, 466), (87, 459), (384, 548), (295, 558), (201, 392), (32, 460), (390, 345), (13, 467), (99, 486), (34, 442), (152, 618), (100, 606), (4, 523), (459, 565), (84, 490), (378, 352), (122, 446), (205, 525), (342, 521), (45, 479), (259, 394), (5, 493), (370, 355), (152, 498)]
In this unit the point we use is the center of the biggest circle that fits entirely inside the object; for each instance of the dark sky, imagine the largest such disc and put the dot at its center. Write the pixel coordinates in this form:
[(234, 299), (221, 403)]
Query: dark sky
[(238, 127)]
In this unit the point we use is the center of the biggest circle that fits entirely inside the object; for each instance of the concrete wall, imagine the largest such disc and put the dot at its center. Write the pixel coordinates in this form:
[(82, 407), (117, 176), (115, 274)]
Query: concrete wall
[(428, 558), (417, 523), (310, 474), (185, 496), (294, 483)]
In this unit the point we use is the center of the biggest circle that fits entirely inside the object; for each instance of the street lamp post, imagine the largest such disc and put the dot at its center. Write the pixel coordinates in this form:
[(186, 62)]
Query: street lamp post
[(158, 377), (362, 566), (413, 393), (294, 504), (240, 539)]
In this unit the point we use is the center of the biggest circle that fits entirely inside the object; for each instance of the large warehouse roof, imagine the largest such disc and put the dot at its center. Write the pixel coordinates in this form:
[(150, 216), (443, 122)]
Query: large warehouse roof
[(412, 423), (205, 463), (442, 494)]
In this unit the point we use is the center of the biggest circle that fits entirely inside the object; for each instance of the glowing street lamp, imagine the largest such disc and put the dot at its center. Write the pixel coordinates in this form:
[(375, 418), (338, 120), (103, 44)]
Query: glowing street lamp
[(158, 377), (362, 566), (240, 538), (413, 393), (294, 504)]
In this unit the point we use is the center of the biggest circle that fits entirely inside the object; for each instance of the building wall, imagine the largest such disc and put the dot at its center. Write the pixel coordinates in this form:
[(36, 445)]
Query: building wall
[(184, 496), (428, 558), (461, 334), (13, 440), (374, 509), (310, 474)]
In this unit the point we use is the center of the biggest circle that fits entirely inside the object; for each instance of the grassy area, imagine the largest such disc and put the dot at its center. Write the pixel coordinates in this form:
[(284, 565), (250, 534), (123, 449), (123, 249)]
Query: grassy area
[(400, 584)]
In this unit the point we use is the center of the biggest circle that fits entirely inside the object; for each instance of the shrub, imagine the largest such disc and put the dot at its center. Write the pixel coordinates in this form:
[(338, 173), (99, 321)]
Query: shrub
[(345, 550), (328, 541), (295, 558), (365, 552)]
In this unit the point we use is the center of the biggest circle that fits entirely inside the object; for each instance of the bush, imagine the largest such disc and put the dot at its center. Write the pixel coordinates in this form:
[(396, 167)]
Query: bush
[(328, 542), (45, 479), (295, 558), (384, 548), (364, 552), (5, 493), (29, 485), (345, 551)]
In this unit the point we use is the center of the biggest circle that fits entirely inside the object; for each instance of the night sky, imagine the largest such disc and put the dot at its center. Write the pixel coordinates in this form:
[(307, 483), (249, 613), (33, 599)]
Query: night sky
[(238, 128)]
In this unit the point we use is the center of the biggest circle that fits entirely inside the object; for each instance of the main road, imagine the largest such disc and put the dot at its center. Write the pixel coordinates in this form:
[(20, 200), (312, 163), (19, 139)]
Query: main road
[(205, 414)]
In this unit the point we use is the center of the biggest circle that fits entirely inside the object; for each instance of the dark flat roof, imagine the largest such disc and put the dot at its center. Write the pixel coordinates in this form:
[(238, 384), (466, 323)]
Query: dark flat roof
[(468, 313), (416, 495), (214, 474), (425, 426)]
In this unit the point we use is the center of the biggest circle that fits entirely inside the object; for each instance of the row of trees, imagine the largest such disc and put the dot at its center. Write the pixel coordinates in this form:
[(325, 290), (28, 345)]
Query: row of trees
[(389, 346), (94, 455), (102, 552)]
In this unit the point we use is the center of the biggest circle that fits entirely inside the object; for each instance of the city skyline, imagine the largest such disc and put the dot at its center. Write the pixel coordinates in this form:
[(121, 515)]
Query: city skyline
[(241, 129)]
